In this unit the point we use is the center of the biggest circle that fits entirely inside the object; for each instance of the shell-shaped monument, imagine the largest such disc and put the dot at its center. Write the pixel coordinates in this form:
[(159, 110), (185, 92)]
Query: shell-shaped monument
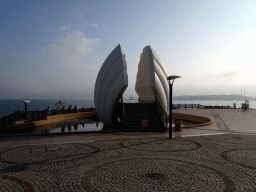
[(111, 82), (151, 79)]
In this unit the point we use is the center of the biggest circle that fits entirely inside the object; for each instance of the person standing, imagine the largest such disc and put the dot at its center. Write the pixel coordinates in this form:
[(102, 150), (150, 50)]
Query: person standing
[(62, 110), (234, 106), (75, 109), (48, 111), (70, 109)]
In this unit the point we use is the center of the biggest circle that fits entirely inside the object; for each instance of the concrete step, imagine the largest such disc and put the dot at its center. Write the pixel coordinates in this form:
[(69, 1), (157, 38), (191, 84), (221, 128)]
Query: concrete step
[(141, 115), (138, 120), (144, 130), (139, 106)]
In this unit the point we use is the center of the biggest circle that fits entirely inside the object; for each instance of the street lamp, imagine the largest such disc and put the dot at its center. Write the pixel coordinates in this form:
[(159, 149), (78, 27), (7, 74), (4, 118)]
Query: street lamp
[(26, 108), (171, 80)]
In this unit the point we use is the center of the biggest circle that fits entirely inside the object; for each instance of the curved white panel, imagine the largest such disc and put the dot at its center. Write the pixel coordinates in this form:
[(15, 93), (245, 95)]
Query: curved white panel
[(152, 78), (115, 93), (111, 82), (142, 86)]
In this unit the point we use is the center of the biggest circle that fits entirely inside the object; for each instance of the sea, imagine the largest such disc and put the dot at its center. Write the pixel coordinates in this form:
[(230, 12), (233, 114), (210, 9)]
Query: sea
[(9, 106)]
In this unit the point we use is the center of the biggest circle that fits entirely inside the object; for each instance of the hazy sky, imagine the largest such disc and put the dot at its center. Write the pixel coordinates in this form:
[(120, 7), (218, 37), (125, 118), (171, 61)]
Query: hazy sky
[(54, 49)]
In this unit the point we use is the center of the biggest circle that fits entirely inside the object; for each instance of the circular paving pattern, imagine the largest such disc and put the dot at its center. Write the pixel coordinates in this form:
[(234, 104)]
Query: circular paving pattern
[(173, 145), (243, 157), (41, 154), (232, 138), (11, 183), (155, 175), (137, 133)]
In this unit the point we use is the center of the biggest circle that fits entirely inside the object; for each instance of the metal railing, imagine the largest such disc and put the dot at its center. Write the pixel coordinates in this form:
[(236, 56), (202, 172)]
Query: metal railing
[(198, 106), (36, 115), (187, 106), (22, 115)]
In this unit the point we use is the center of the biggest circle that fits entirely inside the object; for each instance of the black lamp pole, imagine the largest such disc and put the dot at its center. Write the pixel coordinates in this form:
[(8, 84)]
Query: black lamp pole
[(170, 111), (171, 80)]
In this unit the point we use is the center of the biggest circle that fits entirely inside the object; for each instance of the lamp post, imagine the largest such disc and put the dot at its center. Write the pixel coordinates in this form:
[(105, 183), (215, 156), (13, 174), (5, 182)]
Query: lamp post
[(171, 80), (26, 108)]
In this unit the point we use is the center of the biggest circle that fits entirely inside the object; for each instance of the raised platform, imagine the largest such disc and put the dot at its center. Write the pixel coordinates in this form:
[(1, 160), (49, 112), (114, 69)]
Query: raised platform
[(22, 126)]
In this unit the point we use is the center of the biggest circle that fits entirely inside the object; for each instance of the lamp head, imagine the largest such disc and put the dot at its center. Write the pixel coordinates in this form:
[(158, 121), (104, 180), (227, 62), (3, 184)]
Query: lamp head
[(173, 77), (26, 101)]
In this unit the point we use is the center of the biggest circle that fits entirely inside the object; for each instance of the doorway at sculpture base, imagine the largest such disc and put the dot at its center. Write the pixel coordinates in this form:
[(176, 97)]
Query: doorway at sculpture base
[(142, 117)]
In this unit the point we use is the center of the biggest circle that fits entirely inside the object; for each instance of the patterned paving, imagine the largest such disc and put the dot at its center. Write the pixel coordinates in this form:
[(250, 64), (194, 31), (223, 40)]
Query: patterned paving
[(174, 145), (201, 163), (218, 120)]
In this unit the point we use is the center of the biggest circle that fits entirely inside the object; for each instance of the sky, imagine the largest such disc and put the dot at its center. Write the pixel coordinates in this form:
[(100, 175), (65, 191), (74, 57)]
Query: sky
[(54, 49)]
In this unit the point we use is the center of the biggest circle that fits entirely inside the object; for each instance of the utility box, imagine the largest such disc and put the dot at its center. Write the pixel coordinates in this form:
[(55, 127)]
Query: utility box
[(178, 124)]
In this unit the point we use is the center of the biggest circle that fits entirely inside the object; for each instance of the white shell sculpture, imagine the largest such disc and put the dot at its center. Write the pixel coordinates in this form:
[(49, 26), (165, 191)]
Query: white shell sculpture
[(152, 78), (111, 82)]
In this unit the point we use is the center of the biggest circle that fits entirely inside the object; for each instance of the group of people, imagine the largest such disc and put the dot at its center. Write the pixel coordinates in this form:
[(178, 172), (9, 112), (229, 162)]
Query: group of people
[(63, 110), (245, 105)]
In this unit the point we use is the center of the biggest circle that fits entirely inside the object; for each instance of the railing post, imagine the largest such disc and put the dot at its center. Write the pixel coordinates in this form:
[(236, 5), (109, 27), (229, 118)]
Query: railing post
[(4, 120), (198, 106), (192, 105), (11, 117), (18, 115), (185, 106), (228, 106), (45, 115), (14, 115)]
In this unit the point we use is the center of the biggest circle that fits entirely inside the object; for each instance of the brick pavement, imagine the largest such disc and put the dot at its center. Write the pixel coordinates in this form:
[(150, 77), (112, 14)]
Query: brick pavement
[(223, 162), (135, 161)]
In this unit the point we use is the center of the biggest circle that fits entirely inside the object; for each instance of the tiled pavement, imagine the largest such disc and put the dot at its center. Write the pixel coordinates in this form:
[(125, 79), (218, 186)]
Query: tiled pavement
[(214, 159)]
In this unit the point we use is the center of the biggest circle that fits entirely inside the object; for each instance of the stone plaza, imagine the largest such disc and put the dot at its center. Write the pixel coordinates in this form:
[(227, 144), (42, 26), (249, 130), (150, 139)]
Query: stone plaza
[(216, 157)]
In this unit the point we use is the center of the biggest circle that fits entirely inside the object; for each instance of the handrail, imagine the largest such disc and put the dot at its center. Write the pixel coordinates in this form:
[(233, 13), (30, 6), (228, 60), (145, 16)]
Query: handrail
[(33, 115)]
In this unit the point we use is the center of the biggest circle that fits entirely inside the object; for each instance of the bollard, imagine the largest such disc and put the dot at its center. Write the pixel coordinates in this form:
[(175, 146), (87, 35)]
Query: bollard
[(185, 106)]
